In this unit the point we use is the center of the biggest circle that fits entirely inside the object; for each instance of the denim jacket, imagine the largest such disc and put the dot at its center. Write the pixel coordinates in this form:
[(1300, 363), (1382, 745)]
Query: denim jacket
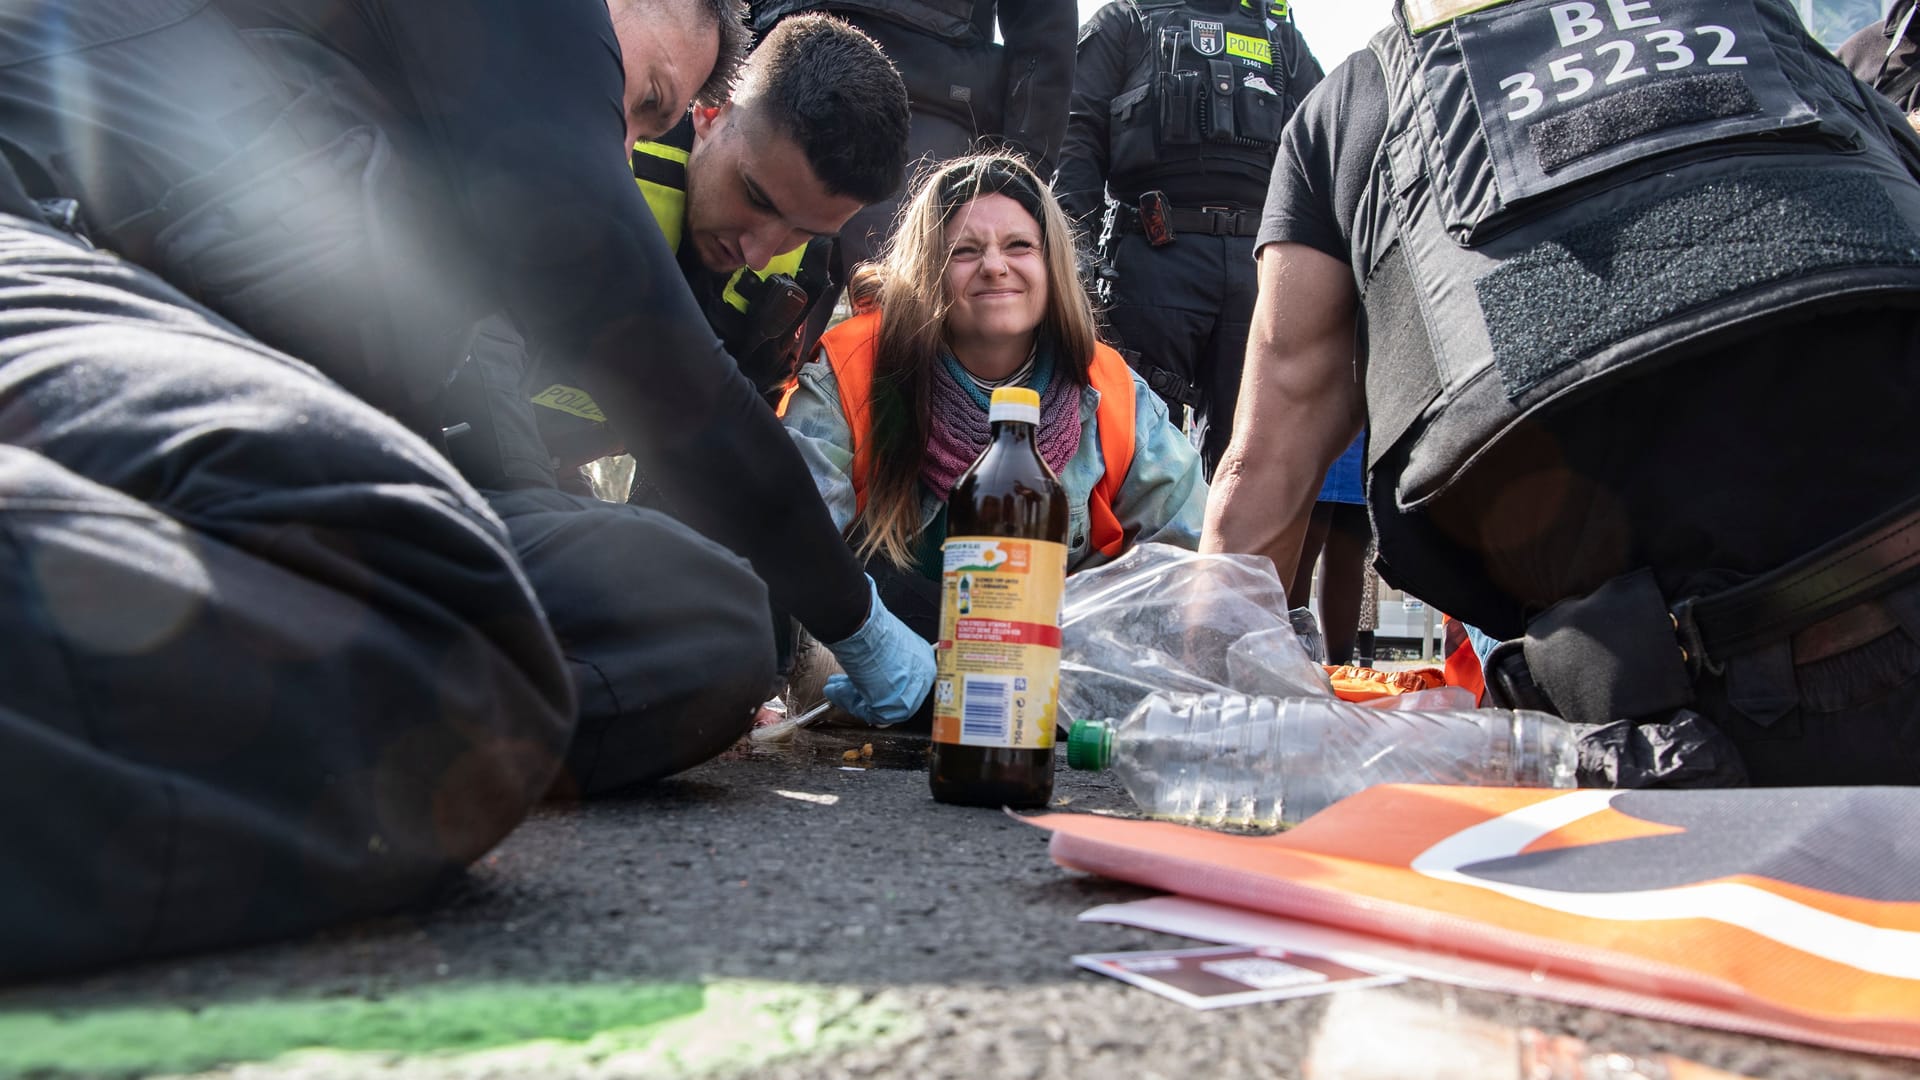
[(1163, 498)]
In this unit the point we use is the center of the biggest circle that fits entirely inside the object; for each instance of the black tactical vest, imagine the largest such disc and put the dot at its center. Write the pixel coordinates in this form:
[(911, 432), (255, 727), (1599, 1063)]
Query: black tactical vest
[(1209, 90), (959, 22), (1569, 192)]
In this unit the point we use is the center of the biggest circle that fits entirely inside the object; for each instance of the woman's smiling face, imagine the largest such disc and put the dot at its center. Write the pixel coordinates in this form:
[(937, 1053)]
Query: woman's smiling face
[(996, 274)]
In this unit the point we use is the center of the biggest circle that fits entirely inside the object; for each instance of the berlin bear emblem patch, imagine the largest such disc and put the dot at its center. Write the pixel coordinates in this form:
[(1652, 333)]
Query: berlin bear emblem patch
[(1209, 38)]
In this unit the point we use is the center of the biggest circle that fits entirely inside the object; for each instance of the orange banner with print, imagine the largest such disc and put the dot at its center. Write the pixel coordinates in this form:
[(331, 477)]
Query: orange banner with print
[(1798, 909)]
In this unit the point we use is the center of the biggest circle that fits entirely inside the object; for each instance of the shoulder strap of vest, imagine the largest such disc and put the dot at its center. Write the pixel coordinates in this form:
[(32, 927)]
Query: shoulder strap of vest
[(1110, 376), (849, 350)]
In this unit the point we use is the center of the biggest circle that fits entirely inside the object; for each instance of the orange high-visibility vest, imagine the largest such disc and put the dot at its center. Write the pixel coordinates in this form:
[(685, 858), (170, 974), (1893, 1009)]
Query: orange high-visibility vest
[(1462, 663), (849, 349)]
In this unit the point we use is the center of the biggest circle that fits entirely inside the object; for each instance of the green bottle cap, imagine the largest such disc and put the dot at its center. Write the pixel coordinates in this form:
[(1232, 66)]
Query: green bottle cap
[(1089, 744)]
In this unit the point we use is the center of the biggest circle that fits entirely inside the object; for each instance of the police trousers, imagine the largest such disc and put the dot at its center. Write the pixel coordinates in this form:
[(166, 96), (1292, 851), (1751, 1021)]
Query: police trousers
[(1744, 468), (1837, 703), (668, 636), (1181, 314), (268, 662), (1817, 701)]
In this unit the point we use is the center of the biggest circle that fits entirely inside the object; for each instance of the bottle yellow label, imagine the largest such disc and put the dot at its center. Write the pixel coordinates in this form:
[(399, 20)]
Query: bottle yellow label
[(999, 649)]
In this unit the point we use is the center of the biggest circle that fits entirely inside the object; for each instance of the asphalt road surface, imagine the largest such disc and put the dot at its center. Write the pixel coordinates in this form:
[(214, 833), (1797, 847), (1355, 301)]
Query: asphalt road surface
[(772, 914)]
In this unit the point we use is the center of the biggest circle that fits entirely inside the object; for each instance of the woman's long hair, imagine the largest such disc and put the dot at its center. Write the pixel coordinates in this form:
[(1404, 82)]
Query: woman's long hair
[(910, 288)]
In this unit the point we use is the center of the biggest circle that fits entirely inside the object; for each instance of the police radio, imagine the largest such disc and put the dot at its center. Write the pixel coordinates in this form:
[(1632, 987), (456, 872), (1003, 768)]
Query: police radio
[(763, 336), (1180, 93), (775, 305), (1217, 106), (780, 307)]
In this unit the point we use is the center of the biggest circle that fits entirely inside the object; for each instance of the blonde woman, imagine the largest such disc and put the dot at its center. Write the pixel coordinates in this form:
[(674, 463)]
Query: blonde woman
[(979, 291)]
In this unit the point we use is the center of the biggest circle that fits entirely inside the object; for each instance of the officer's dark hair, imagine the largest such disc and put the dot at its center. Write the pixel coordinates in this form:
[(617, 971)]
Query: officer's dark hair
[(830, 89), (735, 40), (910, 290)]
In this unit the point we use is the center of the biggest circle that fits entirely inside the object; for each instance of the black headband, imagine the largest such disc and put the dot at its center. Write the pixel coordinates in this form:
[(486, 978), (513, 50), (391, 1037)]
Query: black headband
[(992, 176)]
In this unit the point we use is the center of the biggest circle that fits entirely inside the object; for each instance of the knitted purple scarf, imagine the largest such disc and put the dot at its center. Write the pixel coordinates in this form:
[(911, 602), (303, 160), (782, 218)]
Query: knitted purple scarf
[(960, 430)]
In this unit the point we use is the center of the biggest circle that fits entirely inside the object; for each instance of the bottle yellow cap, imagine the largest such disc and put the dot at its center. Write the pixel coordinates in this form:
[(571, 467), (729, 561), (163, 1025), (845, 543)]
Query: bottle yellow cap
[(1014, 403)]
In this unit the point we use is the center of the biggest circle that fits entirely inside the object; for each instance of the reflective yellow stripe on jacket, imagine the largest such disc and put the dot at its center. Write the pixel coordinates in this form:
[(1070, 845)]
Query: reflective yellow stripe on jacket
[(660, 169)]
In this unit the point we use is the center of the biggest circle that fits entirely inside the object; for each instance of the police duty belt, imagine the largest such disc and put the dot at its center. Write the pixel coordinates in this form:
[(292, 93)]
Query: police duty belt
[(1206, 221)]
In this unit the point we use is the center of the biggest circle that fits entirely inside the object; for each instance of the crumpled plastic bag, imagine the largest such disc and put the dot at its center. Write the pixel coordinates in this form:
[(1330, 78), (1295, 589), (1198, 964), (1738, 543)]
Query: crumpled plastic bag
[(1214, 699), (1162, 618), (1685, 750)]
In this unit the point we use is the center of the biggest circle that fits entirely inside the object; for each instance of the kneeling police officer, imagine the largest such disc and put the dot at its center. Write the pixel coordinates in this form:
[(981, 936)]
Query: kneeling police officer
[(748, 195), (1632, 291), (361, 182)]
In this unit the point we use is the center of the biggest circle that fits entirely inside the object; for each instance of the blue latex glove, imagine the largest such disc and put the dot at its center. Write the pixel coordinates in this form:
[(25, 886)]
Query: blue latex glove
[(889, 668)]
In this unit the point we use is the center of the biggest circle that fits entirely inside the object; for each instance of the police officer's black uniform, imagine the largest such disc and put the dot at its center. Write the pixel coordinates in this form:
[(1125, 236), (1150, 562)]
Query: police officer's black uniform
[(1638, 287), (1177, 107), (265, 662), (360, 182), (966, 89), (519, 430)]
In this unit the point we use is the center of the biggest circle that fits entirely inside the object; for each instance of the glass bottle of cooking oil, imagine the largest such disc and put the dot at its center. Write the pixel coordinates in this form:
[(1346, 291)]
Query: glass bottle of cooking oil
[(1004, 572)]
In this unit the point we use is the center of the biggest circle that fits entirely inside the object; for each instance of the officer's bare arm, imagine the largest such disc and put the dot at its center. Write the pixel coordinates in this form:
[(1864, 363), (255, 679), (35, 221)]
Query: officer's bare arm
[(1300, 406)]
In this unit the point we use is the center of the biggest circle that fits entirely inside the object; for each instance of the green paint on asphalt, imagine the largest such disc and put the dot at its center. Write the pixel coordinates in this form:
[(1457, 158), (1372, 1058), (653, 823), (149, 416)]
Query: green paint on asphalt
[(647, 1029), (164, 1039)]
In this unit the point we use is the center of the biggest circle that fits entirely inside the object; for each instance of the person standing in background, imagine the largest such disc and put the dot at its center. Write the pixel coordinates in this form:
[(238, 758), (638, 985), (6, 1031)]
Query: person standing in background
[(1176, 112), (1337, 540)]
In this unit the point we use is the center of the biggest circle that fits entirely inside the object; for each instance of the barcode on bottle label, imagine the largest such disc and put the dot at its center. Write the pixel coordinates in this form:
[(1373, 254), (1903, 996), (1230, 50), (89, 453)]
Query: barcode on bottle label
[(986, 708)]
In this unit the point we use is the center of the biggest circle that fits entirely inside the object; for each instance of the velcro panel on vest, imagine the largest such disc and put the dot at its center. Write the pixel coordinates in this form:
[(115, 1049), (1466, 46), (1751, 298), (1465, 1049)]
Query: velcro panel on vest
[(1608, 280), (1401, 380), (1610, 655), (1562, 140)]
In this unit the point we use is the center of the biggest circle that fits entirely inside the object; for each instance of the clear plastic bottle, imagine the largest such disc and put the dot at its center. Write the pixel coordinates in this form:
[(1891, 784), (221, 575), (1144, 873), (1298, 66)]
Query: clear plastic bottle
[(1259, 762)]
